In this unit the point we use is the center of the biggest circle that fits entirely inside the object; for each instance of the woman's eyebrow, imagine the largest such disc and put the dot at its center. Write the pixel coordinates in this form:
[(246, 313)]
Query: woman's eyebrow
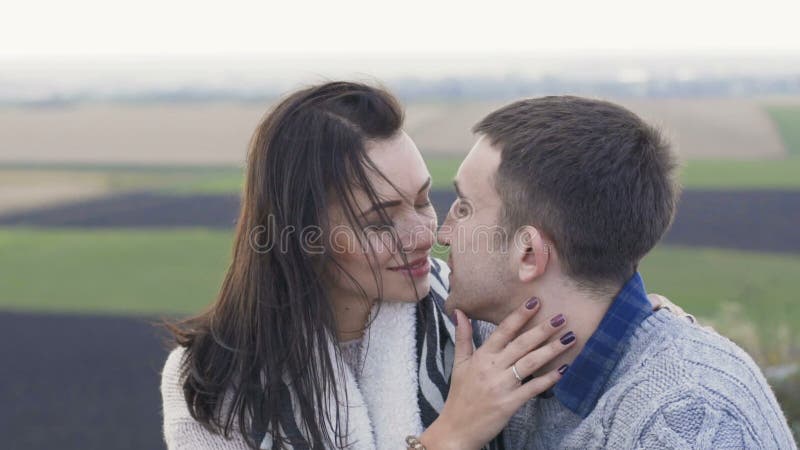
[(393, 203), (382, 205), (425, 185)]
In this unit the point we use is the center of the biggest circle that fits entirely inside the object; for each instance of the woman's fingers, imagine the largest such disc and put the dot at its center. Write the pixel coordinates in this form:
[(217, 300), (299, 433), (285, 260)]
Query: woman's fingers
[(538, 358), (656, 301), (484, 392), (534, 387), (531, 339), (464, 343), (661, 302), (510, 326)]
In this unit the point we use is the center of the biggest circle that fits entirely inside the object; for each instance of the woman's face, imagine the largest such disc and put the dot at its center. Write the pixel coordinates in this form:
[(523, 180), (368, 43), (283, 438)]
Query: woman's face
[(409, 232)]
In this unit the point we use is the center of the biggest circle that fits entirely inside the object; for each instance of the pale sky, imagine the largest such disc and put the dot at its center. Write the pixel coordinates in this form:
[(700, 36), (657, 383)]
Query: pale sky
[(34, 29)]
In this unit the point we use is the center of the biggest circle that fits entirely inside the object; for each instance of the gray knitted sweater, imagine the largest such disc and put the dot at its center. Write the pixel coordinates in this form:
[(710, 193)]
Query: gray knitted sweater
[(677, 386)]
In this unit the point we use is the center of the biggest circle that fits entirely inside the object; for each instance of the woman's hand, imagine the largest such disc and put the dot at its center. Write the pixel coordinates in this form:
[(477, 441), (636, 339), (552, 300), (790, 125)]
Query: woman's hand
[(485, 391), (661, 302)]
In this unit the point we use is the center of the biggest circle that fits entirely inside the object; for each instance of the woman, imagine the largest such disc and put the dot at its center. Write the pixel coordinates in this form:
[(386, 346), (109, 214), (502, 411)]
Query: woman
[(328, 330)]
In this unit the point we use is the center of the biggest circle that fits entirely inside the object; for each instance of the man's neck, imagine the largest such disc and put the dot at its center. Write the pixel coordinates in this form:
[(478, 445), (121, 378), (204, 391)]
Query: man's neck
[(584, 312)]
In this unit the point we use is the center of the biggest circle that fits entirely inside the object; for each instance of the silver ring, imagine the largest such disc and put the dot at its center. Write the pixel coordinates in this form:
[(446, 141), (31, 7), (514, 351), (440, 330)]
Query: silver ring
[(516, 374)]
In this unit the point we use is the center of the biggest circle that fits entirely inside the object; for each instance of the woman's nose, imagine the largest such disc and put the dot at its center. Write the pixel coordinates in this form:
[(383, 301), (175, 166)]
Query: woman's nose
[(419, 238)]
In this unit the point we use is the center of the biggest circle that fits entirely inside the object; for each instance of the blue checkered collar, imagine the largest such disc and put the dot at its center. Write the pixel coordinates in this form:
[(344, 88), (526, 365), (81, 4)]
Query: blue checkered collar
[(582, 385)]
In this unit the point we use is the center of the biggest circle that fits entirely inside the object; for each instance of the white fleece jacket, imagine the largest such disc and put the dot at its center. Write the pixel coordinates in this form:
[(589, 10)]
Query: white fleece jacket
[(382, 409)]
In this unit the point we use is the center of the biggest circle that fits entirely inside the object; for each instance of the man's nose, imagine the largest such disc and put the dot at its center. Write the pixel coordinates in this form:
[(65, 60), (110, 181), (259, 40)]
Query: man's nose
[(444, 232)]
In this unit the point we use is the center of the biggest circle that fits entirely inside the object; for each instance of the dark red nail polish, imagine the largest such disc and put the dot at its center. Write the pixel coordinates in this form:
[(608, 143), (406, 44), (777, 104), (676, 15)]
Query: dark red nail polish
[(563, 369), (568, 338), (532, 303), (557, 321), (455, 319)]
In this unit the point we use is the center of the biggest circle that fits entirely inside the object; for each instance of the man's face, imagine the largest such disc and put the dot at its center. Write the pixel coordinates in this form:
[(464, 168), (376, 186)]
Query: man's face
[(480, 270)]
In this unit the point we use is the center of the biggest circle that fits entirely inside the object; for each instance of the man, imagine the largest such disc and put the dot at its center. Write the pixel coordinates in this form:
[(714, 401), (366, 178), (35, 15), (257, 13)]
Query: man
[(560, 198)]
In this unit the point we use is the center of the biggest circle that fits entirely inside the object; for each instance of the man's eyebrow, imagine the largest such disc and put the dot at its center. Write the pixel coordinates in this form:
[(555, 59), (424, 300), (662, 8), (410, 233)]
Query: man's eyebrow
[(458, 191)]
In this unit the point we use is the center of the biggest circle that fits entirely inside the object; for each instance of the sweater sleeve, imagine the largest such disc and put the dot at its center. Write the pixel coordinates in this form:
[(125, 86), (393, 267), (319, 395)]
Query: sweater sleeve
[(706, 418), (181, 431), (694, 423)]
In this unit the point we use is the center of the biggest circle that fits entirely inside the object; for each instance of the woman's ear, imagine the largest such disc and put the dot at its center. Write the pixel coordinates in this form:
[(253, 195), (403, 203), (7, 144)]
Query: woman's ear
[(531, 253)]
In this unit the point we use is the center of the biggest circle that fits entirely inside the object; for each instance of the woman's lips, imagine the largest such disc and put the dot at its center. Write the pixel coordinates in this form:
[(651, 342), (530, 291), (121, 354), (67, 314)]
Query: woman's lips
[(417, 268)]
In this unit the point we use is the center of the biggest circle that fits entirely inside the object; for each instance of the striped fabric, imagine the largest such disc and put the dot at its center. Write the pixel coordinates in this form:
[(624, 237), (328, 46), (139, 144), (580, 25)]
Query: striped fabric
[(435, 353)]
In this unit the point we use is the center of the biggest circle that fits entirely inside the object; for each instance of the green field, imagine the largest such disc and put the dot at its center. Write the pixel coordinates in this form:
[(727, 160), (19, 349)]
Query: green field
[(111, 272), (748, 296), (178, 271), (122, 178), (700, 174), (787, 120), (728, 174)]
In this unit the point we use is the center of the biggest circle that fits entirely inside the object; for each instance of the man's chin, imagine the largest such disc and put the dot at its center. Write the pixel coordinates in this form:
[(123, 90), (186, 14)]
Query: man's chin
[(451, 304)]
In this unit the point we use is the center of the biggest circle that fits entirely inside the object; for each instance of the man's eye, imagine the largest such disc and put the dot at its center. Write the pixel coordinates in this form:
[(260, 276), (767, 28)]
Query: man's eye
[(462, 209), (423, 205)]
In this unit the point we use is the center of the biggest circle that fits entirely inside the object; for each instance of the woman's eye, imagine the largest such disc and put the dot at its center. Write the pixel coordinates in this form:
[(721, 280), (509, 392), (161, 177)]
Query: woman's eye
[(426, 202), (380, 225)]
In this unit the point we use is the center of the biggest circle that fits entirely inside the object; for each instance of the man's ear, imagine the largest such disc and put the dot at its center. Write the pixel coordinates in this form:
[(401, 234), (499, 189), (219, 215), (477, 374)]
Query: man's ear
[(531, 253)]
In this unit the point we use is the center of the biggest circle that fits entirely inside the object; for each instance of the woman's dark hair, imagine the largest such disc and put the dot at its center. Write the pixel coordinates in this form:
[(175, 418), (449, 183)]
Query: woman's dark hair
[(272, 318)]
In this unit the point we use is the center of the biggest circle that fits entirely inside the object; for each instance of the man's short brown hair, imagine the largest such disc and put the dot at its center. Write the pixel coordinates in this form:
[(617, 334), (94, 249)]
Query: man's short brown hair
[(592, 176)]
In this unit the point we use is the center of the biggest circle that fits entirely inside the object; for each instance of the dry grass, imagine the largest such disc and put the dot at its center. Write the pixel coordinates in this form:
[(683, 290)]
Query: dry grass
[(709, 128), (181, 134), (28, 189), (699, 128), (218, 133)]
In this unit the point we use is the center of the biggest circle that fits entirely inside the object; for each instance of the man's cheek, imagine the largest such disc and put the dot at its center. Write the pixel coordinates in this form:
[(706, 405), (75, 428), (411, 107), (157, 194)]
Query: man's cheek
[(450, 304)]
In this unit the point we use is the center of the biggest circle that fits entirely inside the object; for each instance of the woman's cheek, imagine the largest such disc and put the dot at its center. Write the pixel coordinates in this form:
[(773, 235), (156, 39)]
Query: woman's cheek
[(342, 241), (378, 242)]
